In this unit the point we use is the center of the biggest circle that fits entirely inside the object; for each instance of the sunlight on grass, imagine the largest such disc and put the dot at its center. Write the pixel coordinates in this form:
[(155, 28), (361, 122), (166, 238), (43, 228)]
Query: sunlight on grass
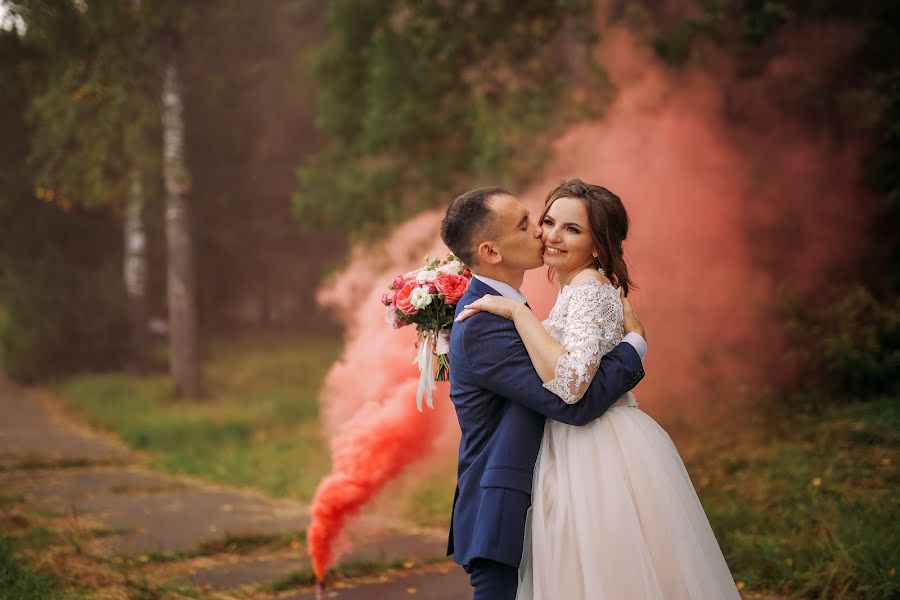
[(257, 427)]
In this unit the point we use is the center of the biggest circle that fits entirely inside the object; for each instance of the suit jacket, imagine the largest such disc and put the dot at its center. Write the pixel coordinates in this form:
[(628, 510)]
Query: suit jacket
[(502, 405)]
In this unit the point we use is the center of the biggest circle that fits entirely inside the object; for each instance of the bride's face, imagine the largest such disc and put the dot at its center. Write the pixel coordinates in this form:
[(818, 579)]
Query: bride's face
[(568, 243)]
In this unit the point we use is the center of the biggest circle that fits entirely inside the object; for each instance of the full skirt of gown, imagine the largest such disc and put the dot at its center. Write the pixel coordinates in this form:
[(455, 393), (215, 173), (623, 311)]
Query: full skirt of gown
[(615, 516)]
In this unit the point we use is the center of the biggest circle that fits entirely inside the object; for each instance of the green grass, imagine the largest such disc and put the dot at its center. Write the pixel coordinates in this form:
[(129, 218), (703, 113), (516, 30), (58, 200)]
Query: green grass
[(344, 570), (257, 427), (229, 544), (804, 505), (19, 582), (79, 575), (810, 506), (431, 502)]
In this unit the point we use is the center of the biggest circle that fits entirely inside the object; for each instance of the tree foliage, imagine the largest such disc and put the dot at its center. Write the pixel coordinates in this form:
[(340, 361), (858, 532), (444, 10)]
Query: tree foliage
[(94, 113), (418, 96), (59, 311), (849, 347), (858, 96), (79, 105)]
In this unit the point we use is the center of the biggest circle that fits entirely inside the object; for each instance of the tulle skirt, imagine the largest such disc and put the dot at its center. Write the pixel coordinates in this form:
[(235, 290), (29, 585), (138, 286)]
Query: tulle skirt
[(615, 516)]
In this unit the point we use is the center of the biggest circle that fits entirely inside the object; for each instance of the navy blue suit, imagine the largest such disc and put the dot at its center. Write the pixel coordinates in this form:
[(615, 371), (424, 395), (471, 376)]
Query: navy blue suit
[(502, 405)]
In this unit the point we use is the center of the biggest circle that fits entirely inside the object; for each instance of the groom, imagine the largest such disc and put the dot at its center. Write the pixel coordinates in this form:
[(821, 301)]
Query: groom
[(499, 398)]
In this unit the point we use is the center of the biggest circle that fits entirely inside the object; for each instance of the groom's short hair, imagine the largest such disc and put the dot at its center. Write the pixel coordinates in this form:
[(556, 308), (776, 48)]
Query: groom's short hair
[(469, 221)]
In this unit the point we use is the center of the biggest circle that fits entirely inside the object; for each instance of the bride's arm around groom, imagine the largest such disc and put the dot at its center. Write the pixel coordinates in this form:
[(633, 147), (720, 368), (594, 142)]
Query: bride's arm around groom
[(493, 353)]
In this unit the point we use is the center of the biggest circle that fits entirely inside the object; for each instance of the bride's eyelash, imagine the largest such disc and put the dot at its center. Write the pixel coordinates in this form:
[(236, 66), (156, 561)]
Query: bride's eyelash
[(548, 221)]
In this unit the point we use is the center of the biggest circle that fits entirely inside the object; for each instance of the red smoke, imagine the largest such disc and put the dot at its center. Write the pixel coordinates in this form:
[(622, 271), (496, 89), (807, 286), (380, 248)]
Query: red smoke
[(370, 450), (368, 401), (723, 212)]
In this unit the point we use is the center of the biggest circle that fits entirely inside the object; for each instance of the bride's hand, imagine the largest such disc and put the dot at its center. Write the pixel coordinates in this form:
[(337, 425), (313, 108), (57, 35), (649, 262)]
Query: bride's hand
[(497, 305)]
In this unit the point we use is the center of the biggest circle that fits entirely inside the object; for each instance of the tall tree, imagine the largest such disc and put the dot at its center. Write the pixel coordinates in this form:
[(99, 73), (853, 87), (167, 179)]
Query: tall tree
[(92, 125), (135, 268), (135, 262), (184, 358)]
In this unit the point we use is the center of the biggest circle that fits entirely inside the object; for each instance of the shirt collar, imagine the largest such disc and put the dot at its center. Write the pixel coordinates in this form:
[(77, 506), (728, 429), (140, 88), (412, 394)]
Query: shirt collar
[(506, 290)]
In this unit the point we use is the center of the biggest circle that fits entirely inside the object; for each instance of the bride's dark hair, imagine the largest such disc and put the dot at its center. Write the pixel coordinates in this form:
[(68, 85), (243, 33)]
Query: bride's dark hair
[(608, 222)]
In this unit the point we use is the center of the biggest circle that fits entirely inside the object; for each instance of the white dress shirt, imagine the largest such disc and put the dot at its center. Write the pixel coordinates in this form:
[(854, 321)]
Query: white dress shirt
[(636, 340)]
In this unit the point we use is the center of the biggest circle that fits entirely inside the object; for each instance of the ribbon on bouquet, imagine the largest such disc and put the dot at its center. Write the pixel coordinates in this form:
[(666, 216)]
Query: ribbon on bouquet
[(429, 347)]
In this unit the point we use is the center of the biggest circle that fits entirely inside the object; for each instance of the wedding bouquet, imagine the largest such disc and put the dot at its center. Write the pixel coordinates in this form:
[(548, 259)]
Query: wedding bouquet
[(427, 298)]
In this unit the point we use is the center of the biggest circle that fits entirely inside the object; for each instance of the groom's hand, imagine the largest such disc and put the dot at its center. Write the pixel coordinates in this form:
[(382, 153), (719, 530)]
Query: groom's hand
[(632, 323)]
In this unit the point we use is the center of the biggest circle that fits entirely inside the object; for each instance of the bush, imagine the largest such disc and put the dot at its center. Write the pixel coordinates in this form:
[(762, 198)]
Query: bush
[(59, 318), (847, 350)]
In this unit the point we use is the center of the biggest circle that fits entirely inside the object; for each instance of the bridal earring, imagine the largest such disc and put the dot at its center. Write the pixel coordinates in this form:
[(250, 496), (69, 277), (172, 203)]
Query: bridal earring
[(597, 262)]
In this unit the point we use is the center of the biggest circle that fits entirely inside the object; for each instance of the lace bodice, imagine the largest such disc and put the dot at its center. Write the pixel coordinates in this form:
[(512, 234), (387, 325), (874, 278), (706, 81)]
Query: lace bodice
[(587, 321)]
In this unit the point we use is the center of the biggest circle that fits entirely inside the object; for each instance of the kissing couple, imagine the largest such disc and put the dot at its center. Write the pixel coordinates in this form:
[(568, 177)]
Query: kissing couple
[(566, 490)]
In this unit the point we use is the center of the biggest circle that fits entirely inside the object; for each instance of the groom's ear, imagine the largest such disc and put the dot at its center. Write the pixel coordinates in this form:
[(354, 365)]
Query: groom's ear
[(487, 254)]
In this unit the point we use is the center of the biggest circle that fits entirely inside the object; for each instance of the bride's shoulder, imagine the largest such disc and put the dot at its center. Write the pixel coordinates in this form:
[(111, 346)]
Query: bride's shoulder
[(589, 277)]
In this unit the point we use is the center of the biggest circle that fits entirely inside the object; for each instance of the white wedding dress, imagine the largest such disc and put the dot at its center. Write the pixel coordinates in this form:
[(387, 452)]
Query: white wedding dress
[(614, 515)]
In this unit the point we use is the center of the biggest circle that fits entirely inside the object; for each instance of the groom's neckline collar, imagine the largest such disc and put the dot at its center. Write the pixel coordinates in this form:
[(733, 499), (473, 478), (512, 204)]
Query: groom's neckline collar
[(504, 289)]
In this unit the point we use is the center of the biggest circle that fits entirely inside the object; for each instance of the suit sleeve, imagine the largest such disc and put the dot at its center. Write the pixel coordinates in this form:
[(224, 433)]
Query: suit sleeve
[(497, 358)]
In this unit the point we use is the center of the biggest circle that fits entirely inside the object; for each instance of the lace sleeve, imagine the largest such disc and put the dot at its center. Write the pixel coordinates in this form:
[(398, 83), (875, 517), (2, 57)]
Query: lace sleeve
[(590, 330)]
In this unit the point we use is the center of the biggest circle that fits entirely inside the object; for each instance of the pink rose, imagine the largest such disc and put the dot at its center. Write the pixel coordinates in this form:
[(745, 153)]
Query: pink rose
[(467, 274), (387, 298), (452, 287), (402, 301), (398, 283)]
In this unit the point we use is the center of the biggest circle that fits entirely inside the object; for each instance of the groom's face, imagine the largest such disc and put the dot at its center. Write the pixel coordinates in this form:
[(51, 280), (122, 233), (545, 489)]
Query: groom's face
[(518, 237)]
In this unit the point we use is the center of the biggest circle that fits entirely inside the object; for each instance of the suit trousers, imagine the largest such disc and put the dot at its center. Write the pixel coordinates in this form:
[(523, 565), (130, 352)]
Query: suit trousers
[(492, 580)]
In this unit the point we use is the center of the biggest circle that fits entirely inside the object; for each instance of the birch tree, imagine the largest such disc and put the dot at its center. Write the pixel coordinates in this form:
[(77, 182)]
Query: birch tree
[(184, 359)]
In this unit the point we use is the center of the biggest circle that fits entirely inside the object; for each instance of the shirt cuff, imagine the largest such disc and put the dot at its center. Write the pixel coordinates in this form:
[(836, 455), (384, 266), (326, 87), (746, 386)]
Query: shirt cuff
[(638, 342)]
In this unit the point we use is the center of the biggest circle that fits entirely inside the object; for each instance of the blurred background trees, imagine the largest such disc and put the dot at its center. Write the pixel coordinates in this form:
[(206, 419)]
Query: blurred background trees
[(845, 339), (506, 75), (84, 256), (307, 124), (310, 125), (498, 74)]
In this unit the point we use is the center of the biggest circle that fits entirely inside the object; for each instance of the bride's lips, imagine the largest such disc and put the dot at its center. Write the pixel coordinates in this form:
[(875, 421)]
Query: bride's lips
[(551, 251)]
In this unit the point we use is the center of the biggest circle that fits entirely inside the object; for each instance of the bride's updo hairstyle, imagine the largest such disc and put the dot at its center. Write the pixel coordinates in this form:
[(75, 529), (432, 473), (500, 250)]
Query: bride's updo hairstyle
[(608, 222)]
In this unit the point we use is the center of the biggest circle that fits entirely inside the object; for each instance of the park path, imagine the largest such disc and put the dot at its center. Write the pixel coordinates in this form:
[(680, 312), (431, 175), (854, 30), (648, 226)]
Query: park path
[(180, 529), (229, 542)]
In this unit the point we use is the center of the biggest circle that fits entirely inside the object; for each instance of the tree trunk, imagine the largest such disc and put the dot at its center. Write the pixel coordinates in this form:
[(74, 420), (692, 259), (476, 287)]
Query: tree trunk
[(135, 270), (184, 360)]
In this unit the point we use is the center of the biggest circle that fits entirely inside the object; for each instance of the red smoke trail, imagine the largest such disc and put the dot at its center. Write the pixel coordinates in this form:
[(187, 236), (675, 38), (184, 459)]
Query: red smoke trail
[(723, 212), (369, 451), (368, 400)]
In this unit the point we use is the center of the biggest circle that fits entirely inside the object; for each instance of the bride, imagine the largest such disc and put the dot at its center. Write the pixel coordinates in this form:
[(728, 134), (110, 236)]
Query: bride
[(614, 514)]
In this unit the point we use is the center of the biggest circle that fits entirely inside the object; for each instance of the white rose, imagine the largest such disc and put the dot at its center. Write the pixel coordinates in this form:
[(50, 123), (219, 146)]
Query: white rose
[(454, 267), (420, 298), (426, 276)]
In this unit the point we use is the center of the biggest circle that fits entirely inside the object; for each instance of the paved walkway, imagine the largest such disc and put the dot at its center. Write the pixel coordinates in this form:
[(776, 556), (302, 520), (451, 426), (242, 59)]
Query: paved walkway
[(55, 466)]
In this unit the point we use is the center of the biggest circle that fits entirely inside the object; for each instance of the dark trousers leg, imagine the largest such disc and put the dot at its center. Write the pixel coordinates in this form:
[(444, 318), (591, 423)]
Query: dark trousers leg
[(492, 580)]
